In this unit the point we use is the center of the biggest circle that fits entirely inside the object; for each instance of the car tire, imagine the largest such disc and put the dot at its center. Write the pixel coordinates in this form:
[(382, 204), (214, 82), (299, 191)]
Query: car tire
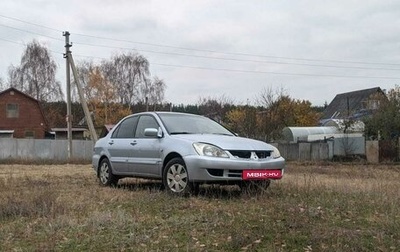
[(257, 186), (105, 175), (176, 179)]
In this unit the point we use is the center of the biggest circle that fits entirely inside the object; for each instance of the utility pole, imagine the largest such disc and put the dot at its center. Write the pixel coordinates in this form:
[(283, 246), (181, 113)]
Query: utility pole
[(83, 101), (69, 114)]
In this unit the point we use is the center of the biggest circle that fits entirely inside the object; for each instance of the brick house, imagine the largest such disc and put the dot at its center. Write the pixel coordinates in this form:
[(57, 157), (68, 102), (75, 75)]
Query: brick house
[(21, 116)]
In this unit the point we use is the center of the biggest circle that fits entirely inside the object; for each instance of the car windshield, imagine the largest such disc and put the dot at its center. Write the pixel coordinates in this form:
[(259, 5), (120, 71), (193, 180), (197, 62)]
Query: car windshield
[(192, 124)]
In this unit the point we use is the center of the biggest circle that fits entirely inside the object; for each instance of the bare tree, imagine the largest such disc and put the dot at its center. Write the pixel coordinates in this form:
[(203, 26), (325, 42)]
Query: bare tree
[(153, 91), (215, 108), (268, 96), (127, 75), (84, 71), (2, 84), (127, 72), (268, 125), (36, 74), (14, 76)]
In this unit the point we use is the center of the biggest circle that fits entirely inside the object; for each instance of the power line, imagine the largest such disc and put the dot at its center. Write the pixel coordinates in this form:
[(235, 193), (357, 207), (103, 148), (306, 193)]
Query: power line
[(238, 70), (212, 57), (240, 54), (241, 60), (214, 51), (258, 72), (31, 32), (26, 22), (280, 73), (22, 44), (10, 41)]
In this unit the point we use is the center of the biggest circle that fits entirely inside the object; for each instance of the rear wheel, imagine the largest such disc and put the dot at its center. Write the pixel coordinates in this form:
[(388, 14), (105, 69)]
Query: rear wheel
[(176, 178), (106, 177)]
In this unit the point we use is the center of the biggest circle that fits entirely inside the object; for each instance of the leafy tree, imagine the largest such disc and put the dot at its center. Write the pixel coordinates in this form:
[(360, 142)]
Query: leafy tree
[(101, 95), (300, 111), (279, 111), (35, 75), (190, 108), (320, 109), (243, 121), (55, 113), (384, 123)]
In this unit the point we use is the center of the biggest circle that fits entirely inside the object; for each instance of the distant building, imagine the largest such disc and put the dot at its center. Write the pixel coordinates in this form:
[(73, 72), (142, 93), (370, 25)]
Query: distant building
[(21, 116), (354, 105), (105, 129), (77, 133)]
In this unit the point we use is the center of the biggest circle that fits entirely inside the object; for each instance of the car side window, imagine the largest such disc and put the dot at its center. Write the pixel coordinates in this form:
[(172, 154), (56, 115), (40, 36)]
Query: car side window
[(145, 122), (126, 129)]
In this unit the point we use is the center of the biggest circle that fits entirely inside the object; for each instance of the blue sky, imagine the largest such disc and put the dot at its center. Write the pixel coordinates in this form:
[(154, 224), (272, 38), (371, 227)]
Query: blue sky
[(235, 49)]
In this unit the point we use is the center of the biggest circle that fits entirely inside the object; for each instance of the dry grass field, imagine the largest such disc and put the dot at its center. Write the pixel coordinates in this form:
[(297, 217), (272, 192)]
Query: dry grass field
[(315, 207)]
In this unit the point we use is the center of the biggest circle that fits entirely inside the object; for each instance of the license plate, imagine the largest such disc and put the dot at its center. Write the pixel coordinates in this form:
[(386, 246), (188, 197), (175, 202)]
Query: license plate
[(261, 174)]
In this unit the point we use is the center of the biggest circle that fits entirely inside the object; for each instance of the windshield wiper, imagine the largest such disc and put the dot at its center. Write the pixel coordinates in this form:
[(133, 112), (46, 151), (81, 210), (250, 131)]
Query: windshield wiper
[(180, 132), (223, 134)]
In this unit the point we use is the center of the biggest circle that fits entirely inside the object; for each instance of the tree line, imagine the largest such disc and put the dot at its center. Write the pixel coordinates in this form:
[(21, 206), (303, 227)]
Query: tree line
[(264, 121), (123, 85)]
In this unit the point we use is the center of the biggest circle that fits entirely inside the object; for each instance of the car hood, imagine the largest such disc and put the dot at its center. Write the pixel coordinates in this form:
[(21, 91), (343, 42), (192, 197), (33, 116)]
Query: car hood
[(227, 142)]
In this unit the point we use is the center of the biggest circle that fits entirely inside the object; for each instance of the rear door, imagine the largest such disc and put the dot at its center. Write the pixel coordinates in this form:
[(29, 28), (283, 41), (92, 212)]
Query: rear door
[(121, 144)]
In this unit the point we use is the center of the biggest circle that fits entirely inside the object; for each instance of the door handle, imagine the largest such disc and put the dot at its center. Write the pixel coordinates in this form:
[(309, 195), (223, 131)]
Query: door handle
[(133, 143), (111, 142)]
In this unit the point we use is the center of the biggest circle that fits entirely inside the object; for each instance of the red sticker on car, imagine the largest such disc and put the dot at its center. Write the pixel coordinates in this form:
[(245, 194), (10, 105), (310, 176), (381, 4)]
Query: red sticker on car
[(261, 174)]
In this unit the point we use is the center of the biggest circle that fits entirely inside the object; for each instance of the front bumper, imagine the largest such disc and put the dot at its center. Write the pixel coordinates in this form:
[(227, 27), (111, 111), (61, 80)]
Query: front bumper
[(209, 169)]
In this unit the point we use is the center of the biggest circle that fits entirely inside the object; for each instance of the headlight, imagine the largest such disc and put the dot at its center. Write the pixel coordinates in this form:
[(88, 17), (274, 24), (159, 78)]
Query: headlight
[(209, 150), (275, 152)]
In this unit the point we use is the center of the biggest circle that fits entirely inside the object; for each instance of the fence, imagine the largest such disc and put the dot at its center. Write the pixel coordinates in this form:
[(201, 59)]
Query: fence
[(57, 150), (44, 149), (306, 151)]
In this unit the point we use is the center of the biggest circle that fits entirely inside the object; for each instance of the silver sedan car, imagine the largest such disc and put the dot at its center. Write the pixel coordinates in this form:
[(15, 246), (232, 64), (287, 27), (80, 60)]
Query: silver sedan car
[(183, 150)]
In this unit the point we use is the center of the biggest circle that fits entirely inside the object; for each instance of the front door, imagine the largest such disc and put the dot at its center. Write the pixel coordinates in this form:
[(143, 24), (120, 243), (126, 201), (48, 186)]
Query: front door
[(146, 158)]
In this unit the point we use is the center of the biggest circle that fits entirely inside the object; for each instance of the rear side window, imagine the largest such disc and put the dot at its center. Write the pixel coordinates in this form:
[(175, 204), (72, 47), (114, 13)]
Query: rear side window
[(126, 129)]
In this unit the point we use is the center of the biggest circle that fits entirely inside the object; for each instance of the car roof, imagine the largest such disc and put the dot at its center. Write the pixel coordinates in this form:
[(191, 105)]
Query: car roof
[(163, 112), (175, 113), (159, 113)]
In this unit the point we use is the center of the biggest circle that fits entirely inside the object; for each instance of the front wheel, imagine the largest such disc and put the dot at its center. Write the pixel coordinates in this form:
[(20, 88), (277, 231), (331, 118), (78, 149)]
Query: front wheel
[(176, 178), (106, 177)]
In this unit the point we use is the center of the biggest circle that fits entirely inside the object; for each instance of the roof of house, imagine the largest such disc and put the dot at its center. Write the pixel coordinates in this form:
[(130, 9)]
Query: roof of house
[(29, 97), (16, 90), (109, 126), (346, 104), (105, 129)]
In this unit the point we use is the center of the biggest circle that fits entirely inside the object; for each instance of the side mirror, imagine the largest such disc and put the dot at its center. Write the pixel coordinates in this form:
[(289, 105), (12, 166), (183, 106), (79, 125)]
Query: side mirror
[(152, 132)]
